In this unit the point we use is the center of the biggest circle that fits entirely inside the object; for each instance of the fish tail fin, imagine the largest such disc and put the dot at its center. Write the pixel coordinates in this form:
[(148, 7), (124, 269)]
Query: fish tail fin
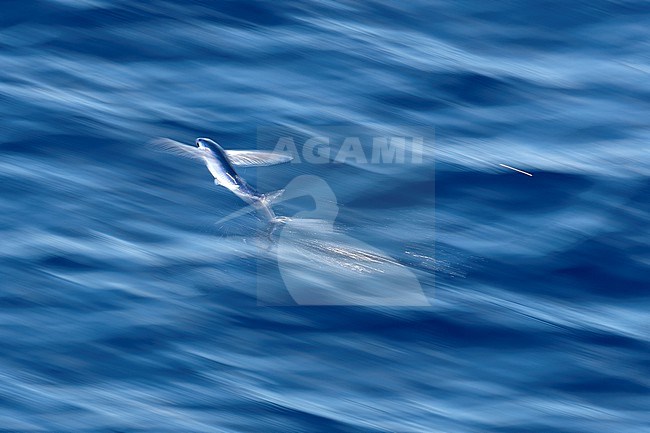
[(280, 220), (274, 224), (272, 196)]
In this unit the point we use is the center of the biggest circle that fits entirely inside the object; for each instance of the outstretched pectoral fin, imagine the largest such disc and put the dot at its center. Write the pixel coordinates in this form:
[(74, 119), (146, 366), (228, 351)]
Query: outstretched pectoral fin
[(256, 158), (176, 148)]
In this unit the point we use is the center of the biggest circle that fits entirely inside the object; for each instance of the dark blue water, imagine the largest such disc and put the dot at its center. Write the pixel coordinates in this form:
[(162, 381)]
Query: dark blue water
[(123, 308)]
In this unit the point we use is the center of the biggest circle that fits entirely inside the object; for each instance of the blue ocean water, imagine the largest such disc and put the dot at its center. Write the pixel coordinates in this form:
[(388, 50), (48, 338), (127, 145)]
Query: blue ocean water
[(123, 308)]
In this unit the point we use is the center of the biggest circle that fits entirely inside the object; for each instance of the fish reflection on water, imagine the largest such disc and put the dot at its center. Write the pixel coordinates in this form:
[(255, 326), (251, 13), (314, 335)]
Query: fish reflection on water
[(322, 266)]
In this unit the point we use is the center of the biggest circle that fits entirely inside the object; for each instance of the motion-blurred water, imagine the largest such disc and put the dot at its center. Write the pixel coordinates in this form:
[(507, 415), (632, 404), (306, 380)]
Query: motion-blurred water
[(123, 308)]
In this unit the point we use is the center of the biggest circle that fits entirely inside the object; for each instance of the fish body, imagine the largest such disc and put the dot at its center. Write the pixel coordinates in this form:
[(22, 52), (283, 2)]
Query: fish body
[(225, 175), (221, 165)]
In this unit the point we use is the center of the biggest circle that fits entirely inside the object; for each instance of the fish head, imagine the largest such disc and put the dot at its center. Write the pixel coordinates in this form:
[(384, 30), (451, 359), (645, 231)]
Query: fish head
[(207, 144)]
